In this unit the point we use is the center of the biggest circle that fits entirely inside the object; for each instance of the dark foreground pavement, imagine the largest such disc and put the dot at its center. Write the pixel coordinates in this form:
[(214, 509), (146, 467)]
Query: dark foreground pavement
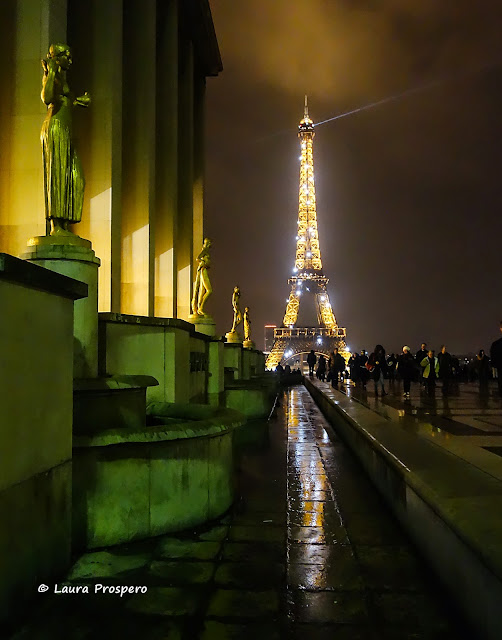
[(309, 551)]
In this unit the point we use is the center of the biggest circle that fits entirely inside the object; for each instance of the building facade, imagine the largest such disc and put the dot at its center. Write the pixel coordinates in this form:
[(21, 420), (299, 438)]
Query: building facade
[(145, 64)]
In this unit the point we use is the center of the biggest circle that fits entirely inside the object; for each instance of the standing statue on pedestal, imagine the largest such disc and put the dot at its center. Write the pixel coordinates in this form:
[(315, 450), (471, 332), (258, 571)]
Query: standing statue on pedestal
[(237, 311), (63, 176), (248, 343), (202, 287), (232, 335), (247, 323)]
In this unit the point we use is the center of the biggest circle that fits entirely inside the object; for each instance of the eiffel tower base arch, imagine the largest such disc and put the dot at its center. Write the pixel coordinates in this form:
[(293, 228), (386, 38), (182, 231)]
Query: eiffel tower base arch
[(289, 343)]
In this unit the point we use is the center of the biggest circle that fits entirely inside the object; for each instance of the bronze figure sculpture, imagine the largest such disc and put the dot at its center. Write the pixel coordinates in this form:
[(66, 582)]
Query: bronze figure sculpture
[(202, 288), (247, 324), (237, 312), (63, 176)]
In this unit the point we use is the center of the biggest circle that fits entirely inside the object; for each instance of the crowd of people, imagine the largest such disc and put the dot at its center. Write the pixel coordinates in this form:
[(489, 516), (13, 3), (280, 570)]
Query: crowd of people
[(424, 367)]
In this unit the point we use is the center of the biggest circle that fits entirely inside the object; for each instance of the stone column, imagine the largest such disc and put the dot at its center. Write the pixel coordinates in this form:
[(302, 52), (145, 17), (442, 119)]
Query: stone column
[(138, 157), (95, 34), (184, 242), (198, 161), (167, 160), (28, 27)]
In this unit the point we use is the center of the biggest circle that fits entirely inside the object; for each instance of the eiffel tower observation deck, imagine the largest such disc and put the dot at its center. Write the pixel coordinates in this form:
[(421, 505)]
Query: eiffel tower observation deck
[(308, 279)]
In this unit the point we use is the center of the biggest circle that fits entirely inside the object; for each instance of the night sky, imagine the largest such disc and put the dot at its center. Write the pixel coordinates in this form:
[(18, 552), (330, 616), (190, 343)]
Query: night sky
[(409, 193)]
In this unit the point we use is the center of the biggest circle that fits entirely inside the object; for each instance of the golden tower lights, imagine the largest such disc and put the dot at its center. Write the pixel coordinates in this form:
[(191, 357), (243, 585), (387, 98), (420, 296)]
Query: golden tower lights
[(308, 265)]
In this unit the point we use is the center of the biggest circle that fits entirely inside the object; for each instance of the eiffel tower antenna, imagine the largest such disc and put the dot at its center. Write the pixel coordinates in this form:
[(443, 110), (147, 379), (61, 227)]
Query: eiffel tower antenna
[(307, 277)]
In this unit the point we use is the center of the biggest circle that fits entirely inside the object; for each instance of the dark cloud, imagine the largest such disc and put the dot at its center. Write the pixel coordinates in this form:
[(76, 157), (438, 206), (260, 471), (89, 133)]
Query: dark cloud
[(408, 193)]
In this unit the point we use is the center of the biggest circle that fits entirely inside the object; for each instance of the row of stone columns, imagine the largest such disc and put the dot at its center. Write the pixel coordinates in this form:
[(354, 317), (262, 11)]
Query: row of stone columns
[(140, 142)]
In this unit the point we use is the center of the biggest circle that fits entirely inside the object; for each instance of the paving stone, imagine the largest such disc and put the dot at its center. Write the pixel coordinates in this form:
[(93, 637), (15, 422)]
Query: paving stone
[(329, 607), (243, 604), (182, 573), (330, 632), (254, 552), (390, 568), (415, 611), (306, 495), (220, 631), (101, 564), (175, 548), (216, 534), (257, 518), (247, 575), (262, 533), (378, 531), (166, 601), (317, 535), (334, 567), (328, 517), (264, 504)]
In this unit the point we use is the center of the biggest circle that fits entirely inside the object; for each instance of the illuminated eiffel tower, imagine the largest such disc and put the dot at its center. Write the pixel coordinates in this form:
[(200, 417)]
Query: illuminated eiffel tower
[(308, 278)]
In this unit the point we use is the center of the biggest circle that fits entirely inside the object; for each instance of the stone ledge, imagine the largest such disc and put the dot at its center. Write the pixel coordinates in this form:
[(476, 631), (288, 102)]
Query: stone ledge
[(30, 275), (153, 321), (193, 421), (113, 382)]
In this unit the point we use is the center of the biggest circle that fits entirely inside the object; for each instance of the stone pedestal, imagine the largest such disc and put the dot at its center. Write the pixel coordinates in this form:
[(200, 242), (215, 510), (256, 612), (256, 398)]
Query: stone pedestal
[(203, 324), (233, 360), (73, 256), (233, 337), (248, 344)]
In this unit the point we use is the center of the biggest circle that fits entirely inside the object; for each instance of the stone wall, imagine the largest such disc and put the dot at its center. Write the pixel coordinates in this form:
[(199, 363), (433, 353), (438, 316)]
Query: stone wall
[(170, 350), (131, 484), (36, 389)]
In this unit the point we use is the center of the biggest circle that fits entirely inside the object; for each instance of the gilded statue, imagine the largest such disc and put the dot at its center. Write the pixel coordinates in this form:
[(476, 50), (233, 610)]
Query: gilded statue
[(63, 176), (247, 324), (202, 288), (237, 312)]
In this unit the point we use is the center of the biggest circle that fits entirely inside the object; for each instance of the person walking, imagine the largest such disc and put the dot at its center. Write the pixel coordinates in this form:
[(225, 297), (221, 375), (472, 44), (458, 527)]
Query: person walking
[(376, 365), (336, 366), (353, 365), (445, 369), (311, 360), (419, 356), (496, 359), (321, 368), (483, 370), (430, 366), (406, 369), (391, 367), (363, 371)]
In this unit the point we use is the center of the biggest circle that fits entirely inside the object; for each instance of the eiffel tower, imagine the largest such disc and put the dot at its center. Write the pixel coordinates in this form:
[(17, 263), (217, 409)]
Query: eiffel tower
[(308, 278)]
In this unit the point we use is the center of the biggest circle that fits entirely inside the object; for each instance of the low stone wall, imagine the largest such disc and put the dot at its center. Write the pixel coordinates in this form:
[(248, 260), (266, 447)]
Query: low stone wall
[(254, 398), (130, 484), (457, 525), (166, 348), (36, 388)]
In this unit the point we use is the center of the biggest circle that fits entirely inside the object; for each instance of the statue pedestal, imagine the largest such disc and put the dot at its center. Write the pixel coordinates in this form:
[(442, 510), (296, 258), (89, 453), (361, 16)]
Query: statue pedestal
[(233, 337), (248, 344), (203, 324), (73, 256)]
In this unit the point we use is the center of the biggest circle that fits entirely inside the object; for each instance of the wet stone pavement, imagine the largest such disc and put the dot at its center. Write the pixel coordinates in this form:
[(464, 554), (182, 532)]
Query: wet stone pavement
[(308, 551)]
